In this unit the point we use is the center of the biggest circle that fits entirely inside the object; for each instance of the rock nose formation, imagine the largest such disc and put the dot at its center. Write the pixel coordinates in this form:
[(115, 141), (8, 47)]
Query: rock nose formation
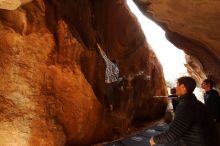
[(52, 89)]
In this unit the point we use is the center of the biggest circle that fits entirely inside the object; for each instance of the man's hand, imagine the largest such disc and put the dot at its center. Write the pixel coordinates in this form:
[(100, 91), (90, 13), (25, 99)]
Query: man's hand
[(152, 141)]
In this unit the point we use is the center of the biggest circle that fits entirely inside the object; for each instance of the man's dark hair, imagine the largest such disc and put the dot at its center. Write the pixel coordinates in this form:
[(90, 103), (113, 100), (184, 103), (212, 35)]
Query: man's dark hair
[(189, 83), (209, 81), (173, 90), (114, 61)]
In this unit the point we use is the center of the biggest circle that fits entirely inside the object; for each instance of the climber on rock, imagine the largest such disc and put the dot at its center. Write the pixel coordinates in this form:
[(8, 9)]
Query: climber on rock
[(112, 78)]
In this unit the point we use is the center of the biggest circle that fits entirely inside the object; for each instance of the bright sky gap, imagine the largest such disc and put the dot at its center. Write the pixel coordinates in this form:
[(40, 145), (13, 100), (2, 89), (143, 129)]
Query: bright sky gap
[(171, 58)]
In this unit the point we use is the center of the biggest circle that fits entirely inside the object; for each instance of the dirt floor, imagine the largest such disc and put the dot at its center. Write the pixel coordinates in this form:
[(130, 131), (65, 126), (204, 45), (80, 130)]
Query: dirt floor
[(134, 129)]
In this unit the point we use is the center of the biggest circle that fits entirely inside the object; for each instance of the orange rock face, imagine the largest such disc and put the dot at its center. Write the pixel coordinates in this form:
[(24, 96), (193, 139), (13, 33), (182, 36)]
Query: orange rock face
[(52, 76)]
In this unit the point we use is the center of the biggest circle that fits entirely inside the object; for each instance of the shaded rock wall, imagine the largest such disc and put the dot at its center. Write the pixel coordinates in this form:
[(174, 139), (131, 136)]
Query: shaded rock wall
[(193, 27), (52, 77)]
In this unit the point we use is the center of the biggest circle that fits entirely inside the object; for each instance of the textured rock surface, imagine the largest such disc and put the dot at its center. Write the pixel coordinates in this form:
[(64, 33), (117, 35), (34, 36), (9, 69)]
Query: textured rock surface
[(193, 26), (12, 4), (52, 78)]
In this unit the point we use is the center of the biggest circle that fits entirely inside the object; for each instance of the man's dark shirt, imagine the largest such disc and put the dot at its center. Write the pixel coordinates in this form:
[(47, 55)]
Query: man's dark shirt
[(192, 125), (212, 101), (174, 101)]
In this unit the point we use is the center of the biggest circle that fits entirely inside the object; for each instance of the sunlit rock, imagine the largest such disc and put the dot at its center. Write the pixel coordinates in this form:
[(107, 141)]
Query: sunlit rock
[(12, 4)]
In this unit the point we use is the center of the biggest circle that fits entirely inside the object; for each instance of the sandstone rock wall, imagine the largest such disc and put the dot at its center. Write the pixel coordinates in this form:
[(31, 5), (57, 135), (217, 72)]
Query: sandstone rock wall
[(52, 77)]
